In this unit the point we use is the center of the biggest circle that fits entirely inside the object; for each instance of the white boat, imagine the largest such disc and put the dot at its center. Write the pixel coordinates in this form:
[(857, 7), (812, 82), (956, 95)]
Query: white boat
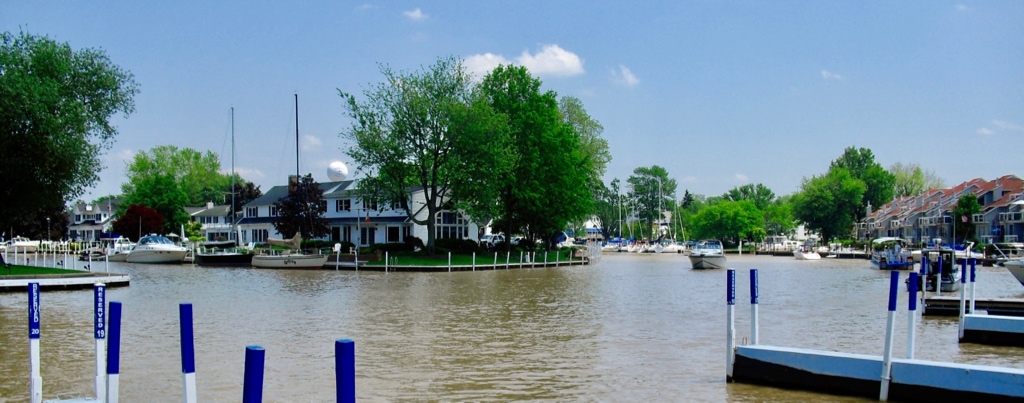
[(292, 258), (946, 260), (806, 254), (1016, 267), (708, 255), (21, 244), (156, 249), (117, 249)]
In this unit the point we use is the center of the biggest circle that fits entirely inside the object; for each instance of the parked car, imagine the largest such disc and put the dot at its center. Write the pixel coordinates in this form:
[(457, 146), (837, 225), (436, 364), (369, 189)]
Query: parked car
[(490, 240)]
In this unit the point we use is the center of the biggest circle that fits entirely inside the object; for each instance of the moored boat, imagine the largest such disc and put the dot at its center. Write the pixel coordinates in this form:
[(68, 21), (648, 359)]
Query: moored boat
[(708, 254), (292, 258), (156, 249), (806, 254), (940, 264), (224, 253), (891, 254)]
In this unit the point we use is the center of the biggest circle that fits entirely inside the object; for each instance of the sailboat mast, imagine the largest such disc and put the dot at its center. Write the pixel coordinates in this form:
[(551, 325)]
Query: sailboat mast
[(296, 137), (232, 209)]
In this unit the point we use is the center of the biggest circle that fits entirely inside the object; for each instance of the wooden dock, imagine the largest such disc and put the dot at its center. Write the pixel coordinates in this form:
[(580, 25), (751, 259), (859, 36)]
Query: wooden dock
[(950, 306)]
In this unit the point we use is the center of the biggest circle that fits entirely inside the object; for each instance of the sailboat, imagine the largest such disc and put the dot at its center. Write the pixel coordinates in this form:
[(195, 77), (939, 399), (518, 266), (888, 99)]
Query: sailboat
[(226, 253), (292, 258)]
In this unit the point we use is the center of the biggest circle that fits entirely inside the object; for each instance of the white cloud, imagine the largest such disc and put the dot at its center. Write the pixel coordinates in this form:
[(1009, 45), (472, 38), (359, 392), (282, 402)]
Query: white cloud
[(741, 177), (249, 173), (310, 143), (830, 75), (125, 155), (365, 6), (416, 15), (1002, 124), (963, 7), (688, 179), (552, 60), (625, 77), (984, 131), (480, 65)]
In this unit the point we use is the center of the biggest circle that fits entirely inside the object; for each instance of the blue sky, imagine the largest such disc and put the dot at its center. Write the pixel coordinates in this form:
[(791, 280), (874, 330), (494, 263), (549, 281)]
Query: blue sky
[(720, 93)]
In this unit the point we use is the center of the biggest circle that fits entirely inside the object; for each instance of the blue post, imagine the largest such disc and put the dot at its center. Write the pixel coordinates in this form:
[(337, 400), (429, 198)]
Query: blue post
[(730, 353), (188, 353), (894, 281), (100, 334), (252, 386), (113, 352), (345, 370), (754, 330)]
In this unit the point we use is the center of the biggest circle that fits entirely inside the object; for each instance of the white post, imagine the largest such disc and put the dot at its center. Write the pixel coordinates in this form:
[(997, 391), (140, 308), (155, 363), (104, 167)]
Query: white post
[(474, 261), (495, 261), (508, 258), (973, 263), (520, 259), (730, 320), (100, 334), (963, 296), (449, 261), (740, 250), (911, 314), (387, 260), (114, 353), (35, 383), (890, 327), (938, 275), (754, 330)]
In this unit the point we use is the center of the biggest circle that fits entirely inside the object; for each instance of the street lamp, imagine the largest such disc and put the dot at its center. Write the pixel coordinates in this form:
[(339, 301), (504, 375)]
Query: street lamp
[(47, 228)]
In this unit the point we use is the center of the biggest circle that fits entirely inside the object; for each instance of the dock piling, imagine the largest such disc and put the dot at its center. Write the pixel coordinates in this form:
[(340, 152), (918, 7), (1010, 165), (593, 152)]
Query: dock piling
[(730, 343), (252, 384), (114, 353), (890, 327), (963, 297), (100, 334), (911, 314), (188, 353), (35, 384), (345, 370), (754, 331), (973, 264)]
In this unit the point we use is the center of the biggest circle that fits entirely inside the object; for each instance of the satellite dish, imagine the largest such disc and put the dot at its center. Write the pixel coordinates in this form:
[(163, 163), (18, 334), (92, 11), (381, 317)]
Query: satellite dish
[(337, 171)]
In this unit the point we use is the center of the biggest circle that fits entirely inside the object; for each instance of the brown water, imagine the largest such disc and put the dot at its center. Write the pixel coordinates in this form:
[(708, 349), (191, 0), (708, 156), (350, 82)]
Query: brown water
[(630, 328)]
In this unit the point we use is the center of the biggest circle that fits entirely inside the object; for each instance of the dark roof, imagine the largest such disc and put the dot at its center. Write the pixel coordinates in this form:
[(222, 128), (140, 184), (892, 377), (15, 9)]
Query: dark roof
[(256, 220), (352, 220), (278, 192)]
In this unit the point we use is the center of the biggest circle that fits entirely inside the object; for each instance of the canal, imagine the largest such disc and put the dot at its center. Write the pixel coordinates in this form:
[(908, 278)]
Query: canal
[(629, 328)]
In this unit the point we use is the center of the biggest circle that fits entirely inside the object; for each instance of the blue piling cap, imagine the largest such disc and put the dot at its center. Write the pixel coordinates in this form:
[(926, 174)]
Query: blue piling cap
[(731, 287), (894, 281), (188, 352)]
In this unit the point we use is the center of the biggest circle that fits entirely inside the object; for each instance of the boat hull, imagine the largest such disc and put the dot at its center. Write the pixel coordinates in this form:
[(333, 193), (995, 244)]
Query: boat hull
[(156, 256), (1016, 267), (224, 259), (800, 255), (707, 262), (289, 261)]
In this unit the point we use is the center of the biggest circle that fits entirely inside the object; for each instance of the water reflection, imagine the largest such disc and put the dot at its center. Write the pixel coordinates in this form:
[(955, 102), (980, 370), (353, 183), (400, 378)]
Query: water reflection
[(632, 328)]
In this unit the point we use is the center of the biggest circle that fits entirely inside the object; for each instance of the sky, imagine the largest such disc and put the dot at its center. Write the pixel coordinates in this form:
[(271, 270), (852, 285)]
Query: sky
[(719, 93)]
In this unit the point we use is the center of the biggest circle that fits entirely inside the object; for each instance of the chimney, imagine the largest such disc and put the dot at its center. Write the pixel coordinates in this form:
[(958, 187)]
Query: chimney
[(209, 205)]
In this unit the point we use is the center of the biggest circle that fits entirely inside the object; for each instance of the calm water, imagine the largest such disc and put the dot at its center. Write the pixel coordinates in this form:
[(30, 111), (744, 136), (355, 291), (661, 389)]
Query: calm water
[(630, 328)]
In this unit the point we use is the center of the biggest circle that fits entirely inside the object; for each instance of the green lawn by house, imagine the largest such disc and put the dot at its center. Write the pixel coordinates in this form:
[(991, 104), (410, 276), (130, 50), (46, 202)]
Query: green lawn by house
[(19, 270)]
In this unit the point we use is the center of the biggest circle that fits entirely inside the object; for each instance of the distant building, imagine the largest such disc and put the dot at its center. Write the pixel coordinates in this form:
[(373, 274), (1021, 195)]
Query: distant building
[(215, 219), (89, 222), (929, 215)]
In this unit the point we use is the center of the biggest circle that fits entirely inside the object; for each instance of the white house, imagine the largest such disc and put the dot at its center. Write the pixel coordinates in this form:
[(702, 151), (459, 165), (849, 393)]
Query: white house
[(215, 219), (351, 219), (89, 222)]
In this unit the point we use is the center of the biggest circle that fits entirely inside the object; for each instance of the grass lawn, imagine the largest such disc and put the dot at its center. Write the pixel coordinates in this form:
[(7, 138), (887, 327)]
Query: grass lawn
[(19, 270), (483, 258)]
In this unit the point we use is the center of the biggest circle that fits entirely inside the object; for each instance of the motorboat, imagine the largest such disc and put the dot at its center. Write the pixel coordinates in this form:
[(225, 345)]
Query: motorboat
[(1016, 267), (940, 263), (20, 244), (116, 249), (891, 254), (291, 258), (806, 254), (708, 254), (223, 253), (156, 249)]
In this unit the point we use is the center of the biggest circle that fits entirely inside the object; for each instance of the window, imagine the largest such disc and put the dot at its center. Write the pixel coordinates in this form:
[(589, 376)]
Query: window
[(450, 225), (343, 205), (369, 204), (252, 212), (396, 205), (273, 211), (393, 234), (260, 235)]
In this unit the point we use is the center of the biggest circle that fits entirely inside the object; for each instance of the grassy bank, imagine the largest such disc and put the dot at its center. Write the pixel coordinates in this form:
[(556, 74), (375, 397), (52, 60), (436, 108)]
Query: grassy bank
[(19, 270)]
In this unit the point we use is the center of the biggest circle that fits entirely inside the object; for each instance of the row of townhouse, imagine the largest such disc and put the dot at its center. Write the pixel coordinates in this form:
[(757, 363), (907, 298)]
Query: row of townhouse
[(349, 217), (929, 215)]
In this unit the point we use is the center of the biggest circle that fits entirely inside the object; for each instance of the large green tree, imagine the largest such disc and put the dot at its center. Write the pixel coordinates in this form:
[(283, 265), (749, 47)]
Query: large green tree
[(161, 193), (302, 210), (911, 180), (197, 174), (729, 220), (759, 194), (879, 183), (650, 195), (594, 147), (55, 109), (429, 129), (828, 204), (778, 217), (550, 180), (607, 209), (966, 207)]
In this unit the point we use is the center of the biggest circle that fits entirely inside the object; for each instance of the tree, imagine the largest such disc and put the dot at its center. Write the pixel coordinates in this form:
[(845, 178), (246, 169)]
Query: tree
[(244, 193), (195, 173), (428, 129), (966, 207), (137, 221), (55, 109), (879, 183), (650, 193), (161, 193), (732, 220), (778, 217), (759, 194), (549, 184), (828, 204), (593, 146), (911, 180), (606, 207), (302, 211)]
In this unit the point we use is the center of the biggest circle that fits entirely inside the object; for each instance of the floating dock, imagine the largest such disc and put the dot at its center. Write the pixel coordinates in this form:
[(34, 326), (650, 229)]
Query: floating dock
[(950, 306), (76, 281)]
